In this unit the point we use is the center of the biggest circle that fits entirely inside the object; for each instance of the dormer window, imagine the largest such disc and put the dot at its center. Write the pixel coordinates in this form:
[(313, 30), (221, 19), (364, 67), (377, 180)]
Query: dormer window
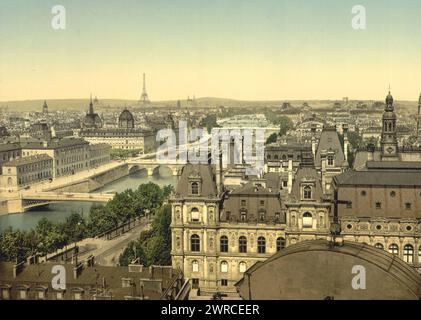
[(243, 216), (195, 188), (307, 194), (262, 216)]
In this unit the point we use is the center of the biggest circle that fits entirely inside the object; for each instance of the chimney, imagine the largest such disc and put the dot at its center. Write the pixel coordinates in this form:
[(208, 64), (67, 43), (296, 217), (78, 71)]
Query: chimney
[(90, 261), (313, 140), (77, 270), (323, 157), (17, 268), (289, 175), (370, 155), (219, 182)]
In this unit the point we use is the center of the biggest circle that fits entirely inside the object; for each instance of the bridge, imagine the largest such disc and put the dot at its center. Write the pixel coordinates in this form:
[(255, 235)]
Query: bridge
[(37, 199), (152, 166)]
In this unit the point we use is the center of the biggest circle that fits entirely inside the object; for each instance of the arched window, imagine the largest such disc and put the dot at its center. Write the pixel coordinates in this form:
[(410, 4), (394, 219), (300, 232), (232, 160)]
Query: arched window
[(261, 245), (280, 244), (195, 243), (307, 192), (307, 220), (242, 267), (224, 244), (408, 253), (243, 215), (195, 266), (242, 244), (224, 266), (394, 249), (194, 213), (269, 156), (194, 188), (276, 157), (379, 246)]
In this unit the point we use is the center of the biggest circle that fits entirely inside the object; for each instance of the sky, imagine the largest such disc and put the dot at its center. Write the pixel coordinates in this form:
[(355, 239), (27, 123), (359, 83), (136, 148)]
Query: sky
[(247, 50)]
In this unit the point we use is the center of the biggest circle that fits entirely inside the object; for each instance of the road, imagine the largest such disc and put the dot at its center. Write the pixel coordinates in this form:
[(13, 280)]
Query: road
[(108, 251)]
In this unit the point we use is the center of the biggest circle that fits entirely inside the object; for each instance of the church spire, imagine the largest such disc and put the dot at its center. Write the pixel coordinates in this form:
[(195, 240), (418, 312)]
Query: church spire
[(389, 141), (91, 106)]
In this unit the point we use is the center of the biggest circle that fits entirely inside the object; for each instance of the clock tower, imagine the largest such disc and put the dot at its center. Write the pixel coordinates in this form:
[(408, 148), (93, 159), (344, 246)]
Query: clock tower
[(389, 141)]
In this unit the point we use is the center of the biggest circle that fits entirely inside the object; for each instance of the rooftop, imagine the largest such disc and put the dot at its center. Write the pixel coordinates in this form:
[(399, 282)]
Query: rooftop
[(27, 160)]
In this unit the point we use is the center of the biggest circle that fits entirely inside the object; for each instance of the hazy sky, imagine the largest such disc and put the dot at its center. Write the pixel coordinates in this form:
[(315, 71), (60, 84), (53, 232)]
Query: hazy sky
[(250, 49)]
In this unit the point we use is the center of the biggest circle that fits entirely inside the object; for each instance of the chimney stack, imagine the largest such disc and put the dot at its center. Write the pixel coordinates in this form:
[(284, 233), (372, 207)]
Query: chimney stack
[(289, 176)]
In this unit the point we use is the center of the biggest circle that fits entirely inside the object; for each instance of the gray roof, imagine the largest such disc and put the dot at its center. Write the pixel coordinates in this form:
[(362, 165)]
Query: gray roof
[(27, 160), (55, 144), (307, 173), (379, 177), (314, 269), (393, 165), (205, 172), (329, 140), (9, 147)]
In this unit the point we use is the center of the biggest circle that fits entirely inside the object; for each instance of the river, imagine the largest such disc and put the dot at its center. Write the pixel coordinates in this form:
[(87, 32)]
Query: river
[(58, 212)]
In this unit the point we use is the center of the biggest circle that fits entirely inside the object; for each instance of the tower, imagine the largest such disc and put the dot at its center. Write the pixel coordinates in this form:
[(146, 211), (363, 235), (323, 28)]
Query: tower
[(45, 107), (91, 106), (144, 97), (389, 142)]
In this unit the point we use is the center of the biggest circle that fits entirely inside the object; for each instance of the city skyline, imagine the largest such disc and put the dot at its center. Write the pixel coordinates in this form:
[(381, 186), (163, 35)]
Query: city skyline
[(303, 51)]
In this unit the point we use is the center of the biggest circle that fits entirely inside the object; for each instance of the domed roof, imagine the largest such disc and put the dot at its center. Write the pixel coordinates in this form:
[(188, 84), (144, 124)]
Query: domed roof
[(315, 270), (126, 115), (389, 115)]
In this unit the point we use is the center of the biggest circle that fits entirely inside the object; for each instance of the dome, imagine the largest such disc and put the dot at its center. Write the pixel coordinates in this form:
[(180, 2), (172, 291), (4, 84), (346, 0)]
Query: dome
[(126, 120), (389, 115), (315, 270)]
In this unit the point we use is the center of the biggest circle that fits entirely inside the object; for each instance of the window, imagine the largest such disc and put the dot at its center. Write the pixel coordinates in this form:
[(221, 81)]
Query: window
[(224, 266), (5, 294), (378, 205), (194, 213), (41, 294), (277, 216), (363, 193), (243, 216), (224, 282), (261, 245), (393, 194), (262, 216), (195, 243), (262, 202), (194, 188), (408, 253), (394, 249), (23, 294), (379, 246), (307, 192), (349, 205), (242, 267), (195, 266), (330, 160), (280, 244), (307, 220), (285, 183), (224, 244), (243, 202), (242, 244), (408, 206)]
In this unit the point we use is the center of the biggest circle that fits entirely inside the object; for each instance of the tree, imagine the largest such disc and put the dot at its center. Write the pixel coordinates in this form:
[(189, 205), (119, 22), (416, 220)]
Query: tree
[(209, 122), (272, 138)]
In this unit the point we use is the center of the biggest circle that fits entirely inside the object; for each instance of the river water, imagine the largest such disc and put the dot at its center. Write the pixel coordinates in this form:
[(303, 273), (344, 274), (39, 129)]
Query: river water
[(58, 212)]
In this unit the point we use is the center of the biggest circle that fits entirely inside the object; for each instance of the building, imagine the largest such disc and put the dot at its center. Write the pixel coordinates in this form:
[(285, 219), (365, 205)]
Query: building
[(92, 120), (389, 149), (9, 152), (126, 136), (40, 130), (45, 107), (70, 155), (25, 171), (320, 270), (87, 281), (382, 207), (99, 154)]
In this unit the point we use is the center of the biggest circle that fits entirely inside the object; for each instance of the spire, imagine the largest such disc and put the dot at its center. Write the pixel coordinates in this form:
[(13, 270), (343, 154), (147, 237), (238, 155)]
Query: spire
[(91, 106), (45, 107), (389, 102)]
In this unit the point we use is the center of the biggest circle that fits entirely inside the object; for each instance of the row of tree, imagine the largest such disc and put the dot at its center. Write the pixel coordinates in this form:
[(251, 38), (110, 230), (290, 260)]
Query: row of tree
[(49, 236), (153, 247)]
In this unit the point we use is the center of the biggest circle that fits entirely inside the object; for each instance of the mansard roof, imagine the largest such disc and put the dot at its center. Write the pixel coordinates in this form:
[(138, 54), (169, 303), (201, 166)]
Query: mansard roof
[(329, 140)]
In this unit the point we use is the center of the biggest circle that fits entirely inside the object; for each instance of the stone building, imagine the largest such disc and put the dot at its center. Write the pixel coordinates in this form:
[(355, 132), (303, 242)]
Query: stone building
[(99, 154), (70, 155), (22, 172), (125, 136), (9, 152), (92, 120)]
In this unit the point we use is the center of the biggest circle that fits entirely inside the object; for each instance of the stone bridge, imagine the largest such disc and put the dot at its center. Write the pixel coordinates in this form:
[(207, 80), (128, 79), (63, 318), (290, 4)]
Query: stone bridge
[(152, 166)]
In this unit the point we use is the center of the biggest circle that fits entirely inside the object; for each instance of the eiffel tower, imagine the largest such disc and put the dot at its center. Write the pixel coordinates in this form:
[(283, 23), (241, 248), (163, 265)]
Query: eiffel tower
[(144, 97)]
